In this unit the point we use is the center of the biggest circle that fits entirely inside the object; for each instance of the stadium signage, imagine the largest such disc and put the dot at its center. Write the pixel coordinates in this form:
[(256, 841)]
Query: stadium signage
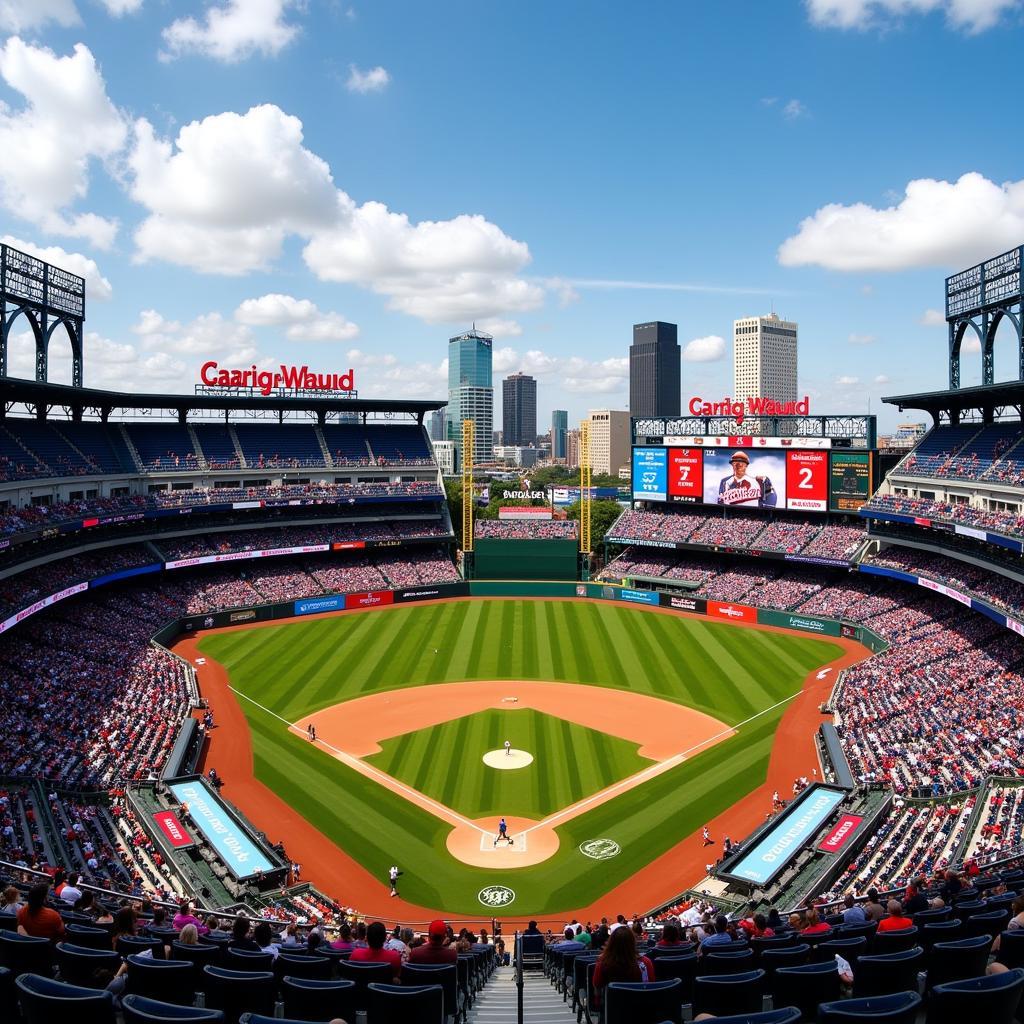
[(265, 381), (43, 602), (639, 596), (234, 847), (526, 495), (173, 830), (841, 834), (735, 612), (737, 409), (314, 605), (369, 599)]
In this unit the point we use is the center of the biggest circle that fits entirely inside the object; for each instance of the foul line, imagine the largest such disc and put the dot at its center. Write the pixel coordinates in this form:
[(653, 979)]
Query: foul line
[(412, 795), (574, 810)]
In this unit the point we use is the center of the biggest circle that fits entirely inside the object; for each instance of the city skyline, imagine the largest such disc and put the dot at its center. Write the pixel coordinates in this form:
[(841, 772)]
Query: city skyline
[(230, 181)]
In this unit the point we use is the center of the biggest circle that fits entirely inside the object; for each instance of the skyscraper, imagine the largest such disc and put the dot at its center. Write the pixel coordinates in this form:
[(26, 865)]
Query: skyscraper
[(654, 370), (609, 440), (438, 430), (470, 391), (519, 410), (559, 430), (764, 358)]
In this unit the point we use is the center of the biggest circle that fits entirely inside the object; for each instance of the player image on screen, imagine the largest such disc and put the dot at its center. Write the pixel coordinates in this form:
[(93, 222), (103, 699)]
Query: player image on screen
[(743, 488)]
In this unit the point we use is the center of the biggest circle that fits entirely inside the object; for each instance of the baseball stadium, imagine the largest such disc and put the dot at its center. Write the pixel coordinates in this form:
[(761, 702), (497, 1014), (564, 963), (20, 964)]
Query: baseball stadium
[(306, 696)]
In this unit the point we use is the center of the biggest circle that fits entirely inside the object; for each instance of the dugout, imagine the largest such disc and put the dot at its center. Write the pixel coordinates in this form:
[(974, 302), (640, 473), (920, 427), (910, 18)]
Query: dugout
[(533, 559)]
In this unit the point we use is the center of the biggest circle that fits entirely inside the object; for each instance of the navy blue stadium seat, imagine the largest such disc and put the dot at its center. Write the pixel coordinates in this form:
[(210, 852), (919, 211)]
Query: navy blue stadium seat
[(129, 944), (887, 973), (170, 981), (941, 931), (8, 996), (894, 941), (87, 935), (764, 943), (400, 1004), (850, 950), (806, 986), (952, 961), (685, 968), (901, 1008), (783, 1015), (24, 954), (772, 960), (246, 960), (80, 965), (198, 956), (990, 923), (1011, 949), (45, 1001), (314, 999), (140, 1010), (364, 975), (643, 1002), (727, 962), (853, 931), (238, 992), (445, 975), (992, 998), (728, 993), (321, 967)]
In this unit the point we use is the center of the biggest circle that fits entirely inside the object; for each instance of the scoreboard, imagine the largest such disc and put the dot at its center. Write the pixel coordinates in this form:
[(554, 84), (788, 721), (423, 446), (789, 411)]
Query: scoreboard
[(768, 473)]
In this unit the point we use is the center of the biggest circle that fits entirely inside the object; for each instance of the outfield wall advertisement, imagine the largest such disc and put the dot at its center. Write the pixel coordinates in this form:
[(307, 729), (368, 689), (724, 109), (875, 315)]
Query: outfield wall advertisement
[(751, 472)]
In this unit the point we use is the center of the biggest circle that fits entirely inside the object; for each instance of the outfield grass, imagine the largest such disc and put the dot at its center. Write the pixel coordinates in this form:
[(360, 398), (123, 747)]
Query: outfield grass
[(570, 762), (299, 667)]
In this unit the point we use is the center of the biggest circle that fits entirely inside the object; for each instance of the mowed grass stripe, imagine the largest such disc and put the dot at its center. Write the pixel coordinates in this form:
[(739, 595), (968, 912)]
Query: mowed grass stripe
[(296, 668)]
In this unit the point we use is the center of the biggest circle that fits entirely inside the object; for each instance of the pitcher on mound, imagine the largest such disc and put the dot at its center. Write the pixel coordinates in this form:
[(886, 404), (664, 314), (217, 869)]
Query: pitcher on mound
[(508, 748)]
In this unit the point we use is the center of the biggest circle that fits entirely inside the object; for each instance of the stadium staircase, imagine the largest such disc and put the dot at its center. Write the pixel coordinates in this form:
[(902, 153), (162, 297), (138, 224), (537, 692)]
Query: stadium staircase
[(320, 440), (197, 448), (497, 1003), (130, 445), (238, 447)]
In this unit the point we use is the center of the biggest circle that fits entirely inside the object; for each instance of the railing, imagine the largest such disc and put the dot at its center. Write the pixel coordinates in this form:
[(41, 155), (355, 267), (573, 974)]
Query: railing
[(518, 961)]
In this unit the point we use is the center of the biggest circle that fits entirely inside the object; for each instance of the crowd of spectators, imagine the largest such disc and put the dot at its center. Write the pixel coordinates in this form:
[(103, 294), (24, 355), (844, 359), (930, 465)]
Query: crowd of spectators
[(1009, 523), (998, 830), (526, 529), (783, 534), (15, 520), (912, 840)]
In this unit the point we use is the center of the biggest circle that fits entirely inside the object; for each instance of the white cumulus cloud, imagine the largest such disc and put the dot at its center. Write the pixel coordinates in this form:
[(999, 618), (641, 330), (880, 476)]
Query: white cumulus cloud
[(793, 110), (932, 318), (861, 339), (223, 196), (371, 80), (20, 15), (971, 16), (935, 223), (47, 147), (303, 320), (704, 350), (238, 29)]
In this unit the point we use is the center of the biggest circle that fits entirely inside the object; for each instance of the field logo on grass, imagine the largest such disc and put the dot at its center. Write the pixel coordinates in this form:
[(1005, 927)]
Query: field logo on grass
[(496, 896), (600, 849)]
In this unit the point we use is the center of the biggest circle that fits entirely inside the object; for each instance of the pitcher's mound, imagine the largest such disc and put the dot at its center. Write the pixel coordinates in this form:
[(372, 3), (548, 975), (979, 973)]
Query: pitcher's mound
[(506, 762)]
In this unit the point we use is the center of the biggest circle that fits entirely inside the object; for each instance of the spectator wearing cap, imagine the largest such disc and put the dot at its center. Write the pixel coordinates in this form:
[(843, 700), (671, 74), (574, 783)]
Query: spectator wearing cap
[(375, 953), (740, 489), (436, 949)]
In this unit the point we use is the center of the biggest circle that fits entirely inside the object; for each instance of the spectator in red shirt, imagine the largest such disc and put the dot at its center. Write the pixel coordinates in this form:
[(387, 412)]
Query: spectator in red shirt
[(619, 961), (38, 920), (374, 951), (436, 949), (814, 925), (895, 921)]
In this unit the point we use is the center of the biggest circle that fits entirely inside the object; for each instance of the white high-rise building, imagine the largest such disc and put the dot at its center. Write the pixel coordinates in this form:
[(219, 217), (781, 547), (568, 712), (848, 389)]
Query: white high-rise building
[(764, 358)]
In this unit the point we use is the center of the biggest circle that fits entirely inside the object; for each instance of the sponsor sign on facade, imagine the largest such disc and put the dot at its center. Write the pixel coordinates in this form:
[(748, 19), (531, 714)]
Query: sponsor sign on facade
[(732, 612), (319, 604), (841, 834), (173, 830), (369, 599)]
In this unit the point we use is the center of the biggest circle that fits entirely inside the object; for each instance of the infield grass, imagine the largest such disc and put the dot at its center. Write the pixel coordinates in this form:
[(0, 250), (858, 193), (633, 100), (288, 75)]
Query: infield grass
[(570, 762), (731, 673)]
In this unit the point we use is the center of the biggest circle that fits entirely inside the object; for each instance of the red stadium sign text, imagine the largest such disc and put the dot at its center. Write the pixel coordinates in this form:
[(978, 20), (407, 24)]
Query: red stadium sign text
[(347, 545), (685, 474), (732, 612), (752, 407), (173, 830), (841, 834), (264, 381), (807, 481), (371, 599)]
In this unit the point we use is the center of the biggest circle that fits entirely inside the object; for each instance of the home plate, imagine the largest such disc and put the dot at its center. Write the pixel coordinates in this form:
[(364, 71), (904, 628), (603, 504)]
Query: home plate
[(487, 843), (506, 761)]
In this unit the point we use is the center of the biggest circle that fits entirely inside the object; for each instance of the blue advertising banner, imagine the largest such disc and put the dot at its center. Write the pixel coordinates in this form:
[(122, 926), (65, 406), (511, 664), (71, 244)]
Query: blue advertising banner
[(320, 604), (125, 574), (780, 844), (640, 596), (221, 831), (650, 474)]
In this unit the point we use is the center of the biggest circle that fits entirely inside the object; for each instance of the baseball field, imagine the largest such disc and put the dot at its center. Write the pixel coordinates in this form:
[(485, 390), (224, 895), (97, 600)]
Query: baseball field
[(630, 729)]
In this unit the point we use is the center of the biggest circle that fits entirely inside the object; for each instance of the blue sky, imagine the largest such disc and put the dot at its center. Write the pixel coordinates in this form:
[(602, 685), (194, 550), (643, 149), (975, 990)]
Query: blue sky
[(348, 184)]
